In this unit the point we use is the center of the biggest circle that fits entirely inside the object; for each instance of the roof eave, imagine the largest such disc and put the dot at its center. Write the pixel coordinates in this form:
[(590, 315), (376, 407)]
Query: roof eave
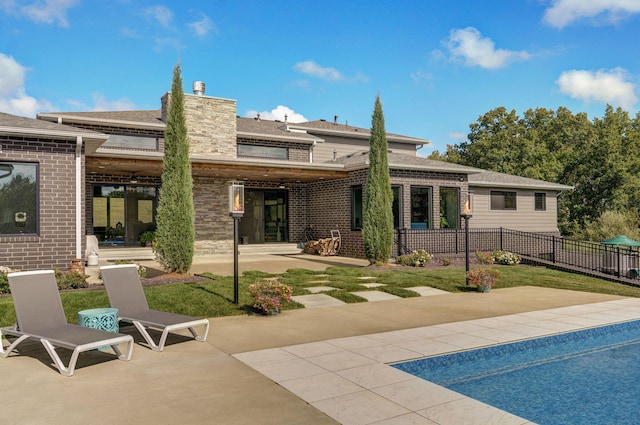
[(352, 134), (282, 138), (69, 119), (552, 187)]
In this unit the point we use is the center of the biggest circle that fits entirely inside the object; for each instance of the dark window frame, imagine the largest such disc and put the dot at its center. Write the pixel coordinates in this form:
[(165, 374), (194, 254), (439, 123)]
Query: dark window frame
[(18, 216), (268, 151), (355, 214), (417, 190), (397, 201), (542, 197), (502, 200)]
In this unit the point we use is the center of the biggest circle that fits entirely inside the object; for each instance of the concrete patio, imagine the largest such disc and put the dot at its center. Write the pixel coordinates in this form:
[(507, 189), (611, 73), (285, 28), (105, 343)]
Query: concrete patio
[(204, 383)]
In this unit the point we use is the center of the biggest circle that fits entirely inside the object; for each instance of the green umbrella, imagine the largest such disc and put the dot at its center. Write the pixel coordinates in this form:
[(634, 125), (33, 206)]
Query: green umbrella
[(621, 240)]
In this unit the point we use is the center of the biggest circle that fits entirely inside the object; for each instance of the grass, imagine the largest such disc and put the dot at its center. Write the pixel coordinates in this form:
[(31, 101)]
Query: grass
[(214, 298)]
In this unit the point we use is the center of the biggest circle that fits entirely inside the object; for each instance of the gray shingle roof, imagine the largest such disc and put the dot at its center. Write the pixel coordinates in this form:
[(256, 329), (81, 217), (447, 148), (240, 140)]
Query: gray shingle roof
[(322, 126), (14, 121), (402, 161), (142, 116), (257, 127), (495, 179)]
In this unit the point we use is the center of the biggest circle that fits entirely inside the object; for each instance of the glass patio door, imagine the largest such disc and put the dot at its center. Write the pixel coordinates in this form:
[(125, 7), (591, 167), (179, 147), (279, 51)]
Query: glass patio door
[(120, 214), (265, 217)]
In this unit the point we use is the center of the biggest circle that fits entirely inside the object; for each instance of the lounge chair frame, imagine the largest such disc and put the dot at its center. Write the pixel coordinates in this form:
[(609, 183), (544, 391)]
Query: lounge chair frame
[(40, 316), (125, 293)]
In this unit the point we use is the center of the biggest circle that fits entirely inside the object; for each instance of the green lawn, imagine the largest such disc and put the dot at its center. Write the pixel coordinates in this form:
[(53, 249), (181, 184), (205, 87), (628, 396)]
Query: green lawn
[(214, 298)]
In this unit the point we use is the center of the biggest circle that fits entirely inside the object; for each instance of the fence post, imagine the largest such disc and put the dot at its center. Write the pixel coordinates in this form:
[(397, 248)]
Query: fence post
[(400, 242), (618, 261), (501, 239)]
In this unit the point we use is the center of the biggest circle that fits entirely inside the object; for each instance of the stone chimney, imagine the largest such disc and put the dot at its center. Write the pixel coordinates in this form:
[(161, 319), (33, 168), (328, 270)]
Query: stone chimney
[(211, 124)]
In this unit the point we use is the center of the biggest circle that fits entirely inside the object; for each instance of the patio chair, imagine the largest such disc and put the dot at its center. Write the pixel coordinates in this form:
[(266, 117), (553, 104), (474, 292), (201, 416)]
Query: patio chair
[(124, 289), (40, 315)]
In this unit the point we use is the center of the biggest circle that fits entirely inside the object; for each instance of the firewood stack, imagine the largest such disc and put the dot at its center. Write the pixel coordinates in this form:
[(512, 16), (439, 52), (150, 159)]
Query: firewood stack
[(324, 247)]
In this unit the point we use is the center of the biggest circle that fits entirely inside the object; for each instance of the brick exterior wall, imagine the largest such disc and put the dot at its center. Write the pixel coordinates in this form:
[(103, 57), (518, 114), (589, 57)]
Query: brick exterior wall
[(54, 246), (329, 203), (211, 124)]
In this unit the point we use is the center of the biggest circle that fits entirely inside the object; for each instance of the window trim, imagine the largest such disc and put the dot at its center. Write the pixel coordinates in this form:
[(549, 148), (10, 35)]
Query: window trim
[(283, 149), (429, 212), (400, 209), (544, 201), (504, 194), (36, 201), (354, 216)]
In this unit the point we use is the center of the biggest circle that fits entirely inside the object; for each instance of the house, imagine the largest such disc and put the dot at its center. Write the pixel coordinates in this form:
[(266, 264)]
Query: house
[(98, 173)]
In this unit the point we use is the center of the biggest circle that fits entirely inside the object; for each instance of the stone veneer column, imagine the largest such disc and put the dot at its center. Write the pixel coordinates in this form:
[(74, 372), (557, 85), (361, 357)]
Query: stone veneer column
[(211, 124), (211, 128)]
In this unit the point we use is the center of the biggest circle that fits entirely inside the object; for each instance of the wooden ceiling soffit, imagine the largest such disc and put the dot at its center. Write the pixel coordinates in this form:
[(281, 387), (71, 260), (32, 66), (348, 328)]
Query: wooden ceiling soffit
[(120, 166)]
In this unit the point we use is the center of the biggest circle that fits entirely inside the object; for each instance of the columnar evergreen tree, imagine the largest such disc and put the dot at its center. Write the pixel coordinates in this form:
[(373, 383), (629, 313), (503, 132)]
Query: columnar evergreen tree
[(377, 229), (175, 218)]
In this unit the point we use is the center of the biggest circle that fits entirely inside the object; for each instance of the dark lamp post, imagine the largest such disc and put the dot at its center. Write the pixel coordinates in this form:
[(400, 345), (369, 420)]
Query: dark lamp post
[(236, 210), (466, 215)]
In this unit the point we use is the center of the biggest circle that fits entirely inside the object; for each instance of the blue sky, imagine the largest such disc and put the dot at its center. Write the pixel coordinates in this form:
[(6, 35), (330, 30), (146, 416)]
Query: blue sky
[(437, 65)]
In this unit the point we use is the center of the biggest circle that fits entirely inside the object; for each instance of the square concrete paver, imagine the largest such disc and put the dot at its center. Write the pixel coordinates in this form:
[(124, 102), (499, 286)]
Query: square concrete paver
[(318, 289), (317, 300), (426, 291), (372, 285), (376, 295)]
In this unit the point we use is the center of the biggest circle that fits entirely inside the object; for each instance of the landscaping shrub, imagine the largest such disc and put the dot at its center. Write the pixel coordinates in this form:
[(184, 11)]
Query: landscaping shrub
[(484, 257), (71, 280), (505, 257), (419, 258)]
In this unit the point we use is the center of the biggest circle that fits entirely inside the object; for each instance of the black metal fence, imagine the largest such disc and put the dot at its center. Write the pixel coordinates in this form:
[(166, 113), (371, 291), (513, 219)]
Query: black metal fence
[(606, 261)]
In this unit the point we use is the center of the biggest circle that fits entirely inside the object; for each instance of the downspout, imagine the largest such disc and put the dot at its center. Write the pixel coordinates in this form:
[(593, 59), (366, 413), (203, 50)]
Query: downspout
[(79, 197)]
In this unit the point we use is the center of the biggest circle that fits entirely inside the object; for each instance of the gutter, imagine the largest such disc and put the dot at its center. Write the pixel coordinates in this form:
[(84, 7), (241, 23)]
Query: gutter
[(78, 160)]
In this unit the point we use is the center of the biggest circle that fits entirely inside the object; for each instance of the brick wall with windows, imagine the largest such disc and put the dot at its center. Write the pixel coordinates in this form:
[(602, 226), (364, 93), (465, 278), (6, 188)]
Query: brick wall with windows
[(54, 245), (329, 205)]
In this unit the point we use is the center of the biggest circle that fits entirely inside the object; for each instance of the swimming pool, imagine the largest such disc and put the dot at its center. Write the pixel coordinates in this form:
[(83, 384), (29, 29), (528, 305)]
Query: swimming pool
[(585, 377)]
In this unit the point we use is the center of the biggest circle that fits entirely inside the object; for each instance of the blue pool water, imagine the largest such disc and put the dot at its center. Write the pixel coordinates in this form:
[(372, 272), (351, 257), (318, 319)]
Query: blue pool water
[(584, 377)]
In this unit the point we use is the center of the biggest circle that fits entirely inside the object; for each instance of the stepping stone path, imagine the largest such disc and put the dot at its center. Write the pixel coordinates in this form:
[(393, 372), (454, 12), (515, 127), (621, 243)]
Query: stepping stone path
[(376, 295), (318, 289), (426, 291), (372, 285), (316, 300)]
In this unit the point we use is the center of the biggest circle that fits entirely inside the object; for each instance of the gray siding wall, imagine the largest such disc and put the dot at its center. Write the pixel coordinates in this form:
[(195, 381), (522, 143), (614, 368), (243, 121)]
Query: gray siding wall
[(523, 218), (54, 246), (323, 151)]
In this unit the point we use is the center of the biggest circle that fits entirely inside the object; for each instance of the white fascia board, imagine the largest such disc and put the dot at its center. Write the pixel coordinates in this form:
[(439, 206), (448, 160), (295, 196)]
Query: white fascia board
[(543, 186)]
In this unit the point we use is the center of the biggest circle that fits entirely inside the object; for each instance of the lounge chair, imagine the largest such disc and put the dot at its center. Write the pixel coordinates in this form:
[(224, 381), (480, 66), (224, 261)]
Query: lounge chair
[(40, 315), (124, 289)]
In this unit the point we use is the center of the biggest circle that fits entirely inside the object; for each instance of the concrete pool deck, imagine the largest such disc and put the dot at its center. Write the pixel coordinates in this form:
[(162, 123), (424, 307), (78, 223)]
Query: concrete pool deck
[(323, 365)]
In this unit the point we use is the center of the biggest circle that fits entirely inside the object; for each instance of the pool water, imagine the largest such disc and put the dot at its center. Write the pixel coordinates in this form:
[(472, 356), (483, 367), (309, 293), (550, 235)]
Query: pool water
[(585, 377)]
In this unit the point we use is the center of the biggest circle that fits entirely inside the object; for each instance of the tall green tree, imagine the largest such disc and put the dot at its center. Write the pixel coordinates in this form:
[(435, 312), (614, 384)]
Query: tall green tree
[(175, 218), (377, 229)]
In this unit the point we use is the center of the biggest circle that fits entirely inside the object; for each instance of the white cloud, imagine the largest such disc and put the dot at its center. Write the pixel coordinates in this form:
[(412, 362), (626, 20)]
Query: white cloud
[(603, 86), (313, 69), (564, 12), (278, 114), (13, 96), (203, 27), (469, 45), (457, 136), (41, 11), (100, 103), (161, 14), (421, 76)]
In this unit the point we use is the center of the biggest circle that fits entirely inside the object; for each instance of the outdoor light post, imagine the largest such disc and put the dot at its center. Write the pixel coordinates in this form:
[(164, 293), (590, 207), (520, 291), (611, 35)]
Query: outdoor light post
[(236, 210), (466, 215)]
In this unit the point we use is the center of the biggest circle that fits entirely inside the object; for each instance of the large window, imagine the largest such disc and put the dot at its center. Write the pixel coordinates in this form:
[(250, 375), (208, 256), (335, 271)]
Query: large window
[(356, 207), (257, 151), (18, 198), (540, 201), (503, 200), (421, 207), (131, 142), (449, 205)]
